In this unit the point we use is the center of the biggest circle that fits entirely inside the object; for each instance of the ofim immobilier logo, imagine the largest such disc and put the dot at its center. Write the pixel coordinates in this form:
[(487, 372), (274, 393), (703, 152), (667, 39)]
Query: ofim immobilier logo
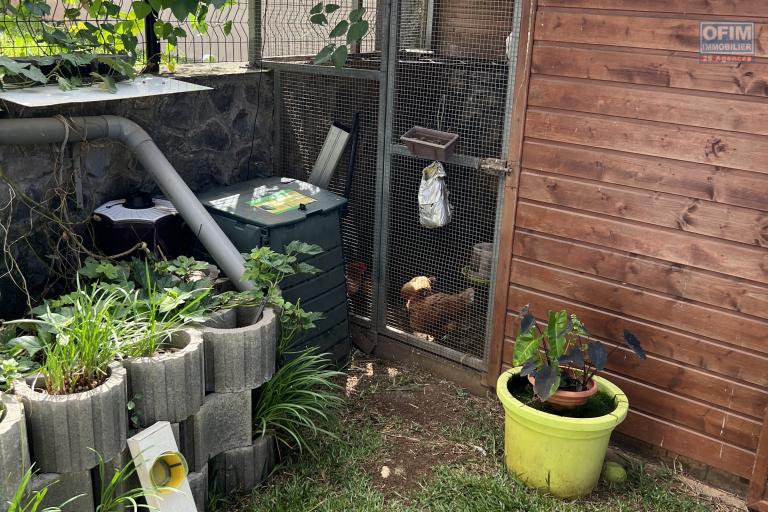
[(727, 41)]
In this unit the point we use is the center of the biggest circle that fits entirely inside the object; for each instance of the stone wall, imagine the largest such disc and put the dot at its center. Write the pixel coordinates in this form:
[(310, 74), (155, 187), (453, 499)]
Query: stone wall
[(208, 136)]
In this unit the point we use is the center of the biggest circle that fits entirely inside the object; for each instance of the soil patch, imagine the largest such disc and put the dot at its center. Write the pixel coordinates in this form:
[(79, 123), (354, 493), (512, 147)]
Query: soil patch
[(416, 414)]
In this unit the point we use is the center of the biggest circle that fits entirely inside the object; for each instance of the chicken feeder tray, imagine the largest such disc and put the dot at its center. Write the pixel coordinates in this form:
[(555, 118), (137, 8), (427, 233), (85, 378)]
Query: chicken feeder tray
[(430, 144)]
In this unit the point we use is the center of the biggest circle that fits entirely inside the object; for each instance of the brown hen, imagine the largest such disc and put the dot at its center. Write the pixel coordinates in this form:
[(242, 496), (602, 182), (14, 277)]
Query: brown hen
[(434, 314)]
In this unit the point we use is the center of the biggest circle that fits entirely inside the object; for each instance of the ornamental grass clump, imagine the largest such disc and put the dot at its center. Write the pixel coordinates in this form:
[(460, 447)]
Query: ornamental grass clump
[(81, 337), (164, 300), (25, 501), (299, 402)]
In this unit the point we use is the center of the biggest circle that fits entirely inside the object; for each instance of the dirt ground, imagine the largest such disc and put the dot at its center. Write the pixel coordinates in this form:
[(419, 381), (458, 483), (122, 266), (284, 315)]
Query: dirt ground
[(426, 422)]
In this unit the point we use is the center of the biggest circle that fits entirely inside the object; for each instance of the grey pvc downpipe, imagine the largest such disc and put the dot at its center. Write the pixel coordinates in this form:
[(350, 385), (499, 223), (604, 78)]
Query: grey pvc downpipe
[(52, 130)]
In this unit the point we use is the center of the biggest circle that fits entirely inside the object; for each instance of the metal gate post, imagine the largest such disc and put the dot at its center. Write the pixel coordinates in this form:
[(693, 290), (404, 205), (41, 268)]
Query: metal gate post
[(384, 159)]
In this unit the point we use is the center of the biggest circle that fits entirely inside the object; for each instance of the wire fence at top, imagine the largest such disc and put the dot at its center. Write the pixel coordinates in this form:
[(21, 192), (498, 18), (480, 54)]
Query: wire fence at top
[(221, 37)]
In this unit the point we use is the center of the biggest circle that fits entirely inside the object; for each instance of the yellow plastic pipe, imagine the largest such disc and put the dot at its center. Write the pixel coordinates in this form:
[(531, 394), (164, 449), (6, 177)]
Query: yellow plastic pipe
[(562, 456)]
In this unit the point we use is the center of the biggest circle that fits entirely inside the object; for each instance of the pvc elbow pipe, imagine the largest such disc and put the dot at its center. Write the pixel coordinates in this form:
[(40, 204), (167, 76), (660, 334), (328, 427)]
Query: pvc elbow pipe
[(54, 130)]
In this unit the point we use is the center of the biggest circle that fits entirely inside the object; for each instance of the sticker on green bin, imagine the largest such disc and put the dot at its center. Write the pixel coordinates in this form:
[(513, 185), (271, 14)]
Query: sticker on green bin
[(281, 201)]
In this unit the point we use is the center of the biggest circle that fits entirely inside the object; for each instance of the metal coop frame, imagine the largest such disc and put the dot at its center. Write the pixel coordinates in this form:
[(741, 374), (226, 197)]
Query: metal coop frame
[(440, 64)]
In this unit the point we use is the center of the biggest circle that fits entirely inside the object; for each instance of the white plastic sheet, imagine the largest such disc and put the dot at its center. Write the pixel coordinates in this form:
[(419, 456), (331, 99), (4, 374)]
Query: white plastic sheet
[(434, 207)]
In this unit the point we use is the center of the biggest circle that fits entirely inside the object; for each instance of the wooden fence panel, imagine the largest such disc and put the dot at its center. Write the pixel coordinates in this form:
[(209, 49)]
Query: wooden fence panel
[(640, 201)]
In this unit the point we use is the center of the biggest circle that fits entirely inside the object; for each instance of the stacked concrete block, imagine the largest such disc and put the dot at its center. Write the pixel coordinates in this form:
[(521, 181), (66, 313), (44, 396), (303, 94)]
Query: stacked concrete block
[(198, 482), (222, 423), (244, 468), (222, 319), (242, 357), (228, 357), (171, 385), (64, 430), (62, 488), (14, 453)]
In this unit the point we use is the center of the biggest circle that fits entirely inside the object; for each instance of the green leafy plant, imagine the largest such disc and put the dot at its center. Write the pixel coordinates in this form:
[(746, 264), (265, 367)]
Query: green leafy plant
[(299, 402), (133, 410), (24, 501), (267, 268), (81, 339), (112, 497), (293, 321), (166, 297), (345, 33), (10, 370), (562, 355), (17, 356), (161, 312), (60, 51), (182, 267)]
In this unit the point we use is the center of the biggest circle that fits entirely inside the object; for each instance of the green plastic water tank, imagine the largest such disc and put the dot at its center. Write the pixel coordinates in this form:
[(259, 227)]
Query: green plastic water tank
[(276, 211)]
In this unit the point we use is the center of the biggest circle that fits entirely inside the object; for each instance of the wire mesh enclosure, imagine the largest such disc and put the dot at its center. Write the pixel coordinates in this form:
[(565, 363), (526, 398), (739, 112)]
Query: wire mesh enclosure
[(288, 34), (221, 37), (309, 104), (447, 69), (451, 74)]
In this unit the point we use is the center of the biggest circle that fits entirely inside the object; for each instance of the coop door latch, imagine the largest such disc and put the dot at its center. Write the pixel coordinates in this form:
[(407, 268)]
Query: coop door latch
[(494, 167)]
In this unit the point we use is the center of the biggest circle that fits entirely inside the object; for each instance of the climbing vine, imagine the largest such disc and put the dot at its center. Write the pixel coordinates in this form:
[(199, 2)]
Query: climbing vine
[(56, 230), (99, 36)]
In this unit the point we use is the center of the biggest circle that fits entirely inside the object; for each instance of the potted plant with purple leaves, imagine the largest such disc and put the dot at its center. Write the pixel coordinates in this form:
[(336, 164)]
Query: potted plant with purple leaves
[(561, 360), (559, 414)]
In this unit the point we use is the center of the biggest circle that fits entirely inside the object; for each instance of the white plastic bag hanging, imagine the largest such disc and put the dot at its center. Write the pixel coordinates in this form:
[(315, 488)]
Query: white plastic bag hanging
[(434, 206)]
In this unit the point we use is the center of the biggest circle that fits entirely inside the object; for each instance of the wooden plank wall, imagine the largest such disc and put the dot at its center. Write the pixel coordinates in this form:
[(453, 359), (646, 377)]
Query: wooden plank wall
[(643, 203)]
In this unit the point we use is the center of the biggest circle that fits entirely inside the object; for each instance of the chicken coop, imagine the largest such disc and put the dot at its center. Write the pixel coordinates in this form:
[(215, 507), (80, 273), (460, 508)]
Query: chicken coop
[(437, 64)]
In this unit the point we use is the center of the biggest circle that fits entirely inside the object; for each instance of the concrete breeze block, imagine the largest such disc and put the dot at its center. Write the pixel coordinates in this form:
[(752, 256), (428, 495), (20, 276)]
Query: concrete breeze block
[(64, 487), (198, 482), (240, 358), (222, 319), (171, 385), (221, 424), (64, 428), (242, 469), (14, 451)]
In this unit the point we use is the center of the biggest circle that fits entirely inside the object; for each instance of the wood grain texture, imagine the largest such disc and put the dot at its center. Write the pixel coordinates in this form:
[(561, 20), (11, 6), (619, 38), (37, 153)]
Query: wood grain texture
[(511, 189), (650, 103), (634, 31), (711, 421), (759, 475), (725, 326), (692, 144), (676, 346), (688, 442), (683, 248), (643, 204), (661, 276), (742, 225), (650, 67), (754, 8), (710, 182)]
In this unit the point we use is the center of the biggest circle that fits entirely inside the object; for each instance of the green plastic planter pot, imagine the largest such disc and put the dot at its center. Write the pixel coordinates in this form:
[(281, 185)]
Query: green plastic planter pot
[(563, 456)]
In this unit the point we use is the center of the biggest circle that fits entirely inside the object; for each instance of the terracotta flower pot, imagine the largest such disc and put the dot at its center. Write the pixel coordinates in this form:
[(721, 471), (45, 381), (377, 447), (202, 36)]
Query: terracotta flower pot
[(569, 399)]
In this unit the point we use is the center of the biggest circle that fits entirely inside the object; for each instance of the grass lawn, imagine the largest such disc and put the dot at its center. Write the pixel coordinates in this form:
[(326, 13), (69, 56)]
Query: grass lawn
[(410, 442)]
